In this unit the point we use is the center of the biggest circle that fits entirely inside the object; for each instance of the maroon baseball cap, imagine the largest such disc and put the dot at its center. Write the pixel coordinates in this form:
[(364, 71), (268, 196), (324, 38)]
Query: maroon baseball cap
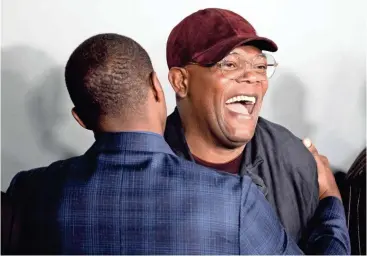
[(207, 36)]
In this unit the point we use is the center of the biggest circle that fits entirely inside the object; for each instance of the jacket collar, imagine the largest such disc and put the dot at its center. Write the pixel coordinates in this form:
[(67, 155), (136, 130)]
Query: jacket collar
[(175, 136), (130, 141)]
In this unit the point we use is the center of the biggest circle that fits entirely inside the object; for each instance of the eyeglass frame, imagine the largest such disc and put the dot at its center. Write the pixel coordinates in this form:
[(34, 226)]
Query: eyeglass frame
[(219, 63)]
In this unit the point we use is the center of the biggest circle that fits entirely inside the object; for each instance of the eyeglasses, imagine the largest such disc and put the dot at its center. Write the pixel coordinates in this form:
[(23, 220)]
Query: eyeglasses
[(233, 66)]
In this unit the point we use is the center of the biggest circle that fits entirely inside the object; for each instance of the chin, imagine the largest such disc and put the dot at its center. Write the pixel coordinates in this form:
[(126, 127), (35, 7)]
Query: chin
[(235, 140), (240, 134), (240, 139)]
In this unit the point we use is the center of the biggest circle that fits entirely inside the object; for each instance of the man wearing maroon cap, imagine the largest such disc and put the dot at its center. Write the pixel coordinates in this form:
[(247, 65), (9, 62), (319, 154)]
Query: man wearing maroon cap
[(220, 75)]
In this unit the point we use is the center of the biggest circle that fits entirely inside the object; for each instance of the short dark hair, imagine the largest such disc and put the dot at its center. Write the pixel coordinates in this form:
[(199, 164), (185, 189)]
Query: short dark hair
[(107, 74)]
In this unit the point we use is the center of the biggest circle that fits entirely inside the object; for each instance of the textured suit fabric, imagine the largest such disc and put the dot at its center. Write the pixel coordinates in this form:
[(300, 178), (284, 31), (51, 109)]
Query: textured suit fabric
[(129, 194), (10, 225)]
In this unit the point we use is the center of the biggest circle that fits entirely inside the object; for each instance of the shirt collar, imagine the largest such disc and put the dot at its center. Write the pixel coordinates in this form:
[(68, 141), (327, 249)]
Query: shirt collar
[(130, 141)]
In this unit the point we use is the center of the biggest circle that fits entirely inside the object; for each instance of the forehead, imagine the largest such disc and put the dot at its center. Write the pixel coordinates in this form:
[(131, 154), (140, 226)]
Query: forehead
[(246, 51)]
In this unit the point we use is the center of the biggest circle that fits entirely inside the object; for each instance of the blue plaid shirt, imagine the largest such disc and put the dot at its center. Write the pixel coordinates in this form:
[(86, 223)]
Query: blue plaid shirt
[(130, 194)]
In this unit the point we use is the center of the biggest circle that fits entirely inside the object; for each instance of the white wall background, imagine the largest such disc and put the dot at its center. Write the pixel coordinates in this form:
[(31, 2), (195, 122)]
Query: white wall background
[(318, 91)]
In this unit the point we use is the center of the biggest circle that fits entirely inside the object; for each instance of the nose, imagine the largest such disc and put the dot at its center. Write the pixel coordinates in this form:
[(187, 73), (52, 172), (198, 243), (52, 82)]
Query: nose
[(251, 77)]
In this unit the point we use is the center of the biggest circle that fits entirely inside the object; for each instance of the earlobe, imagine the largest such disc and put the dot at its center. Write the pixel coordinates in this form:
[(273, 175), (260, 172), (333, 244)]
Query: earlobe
[(178, 79), (78, 119)]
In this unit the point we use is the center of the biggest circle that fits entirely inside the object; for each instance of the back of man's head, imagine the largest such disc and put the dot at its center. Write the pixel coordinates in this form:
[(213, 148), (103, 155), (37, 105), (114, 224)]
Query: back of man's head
[(108, 77)]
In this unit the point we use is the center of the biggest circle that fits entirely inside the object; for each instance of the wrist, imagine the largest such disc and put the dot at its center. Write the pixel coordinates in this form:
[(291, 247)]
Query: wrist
[(333, 193)]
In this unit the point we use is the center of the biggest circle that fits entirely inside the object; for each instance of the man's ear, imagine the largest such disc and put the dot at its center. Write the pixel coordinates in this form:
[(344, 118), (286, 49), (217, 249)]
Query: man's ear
[(178, 77), (78, 119), (157, 88)]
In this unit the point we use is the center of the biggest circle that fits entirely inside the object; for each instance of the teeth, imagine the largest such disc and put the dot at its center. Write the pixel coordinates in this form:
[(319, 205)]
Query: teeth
[(240, 98)]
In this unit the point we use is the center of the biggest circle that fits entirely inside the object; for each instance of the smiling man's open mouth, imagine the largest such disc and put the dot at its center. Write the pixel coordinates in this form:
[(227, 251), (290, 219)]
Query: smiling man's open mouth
[(241, 104)]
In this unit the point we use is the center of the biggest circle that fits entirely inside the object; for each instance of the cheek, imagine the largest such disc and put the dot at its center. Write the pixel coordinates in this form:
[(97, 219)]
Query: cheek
[(201, 99), (219, 85), (264, 87), (207, 92)]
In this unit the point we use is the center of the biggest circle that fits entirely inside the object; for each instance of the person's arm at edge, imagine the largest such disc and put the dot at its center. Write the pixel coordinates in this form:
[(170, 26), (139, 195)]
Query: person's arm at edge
[(15, 185), (328, 232), (262, 232), (329, 221)]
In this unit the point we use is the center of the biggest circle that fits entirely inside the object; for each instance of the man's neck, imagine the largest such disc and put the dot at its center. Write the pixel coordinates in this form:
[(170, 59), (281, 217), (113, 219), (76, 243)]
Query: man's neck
[(201, 141), (209, 150), (130, 125)]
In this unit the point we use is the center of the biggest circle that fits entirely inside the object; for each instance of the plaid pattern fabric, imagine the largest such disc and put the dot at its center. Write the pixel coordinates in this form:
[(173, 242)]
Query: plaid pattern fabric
[(329, 233), (129, 194)]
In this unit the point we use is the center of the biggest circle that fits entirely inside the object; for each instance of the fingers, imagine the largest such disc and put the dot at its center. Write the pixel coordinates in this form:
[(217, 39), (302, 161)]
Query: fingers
[(324, 160), (308, 143), (311, 147)]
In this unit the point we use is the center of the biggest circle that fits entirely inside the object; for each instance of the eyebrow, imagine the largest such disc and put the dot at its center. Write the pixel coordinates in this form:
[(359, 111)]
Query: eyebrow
[(241, 54)]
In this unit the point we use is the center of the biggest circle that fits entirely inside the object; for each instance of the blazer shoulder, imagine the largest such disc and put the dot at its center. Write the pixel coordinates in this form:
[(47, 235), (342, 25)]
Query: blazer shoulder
[(286, 145), (33, 179), (291, 152)]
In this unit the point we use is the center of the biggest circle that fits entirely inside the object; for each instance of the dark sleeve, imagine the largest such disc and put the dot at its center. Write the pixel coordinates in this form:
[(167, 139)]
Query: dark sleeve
[(309, 173), (299, 158), (6, 223), (24, 183), (353, 191), (302, 167), (11, 216), (262, 233), (328, 229), (16, 186), (260, 229)]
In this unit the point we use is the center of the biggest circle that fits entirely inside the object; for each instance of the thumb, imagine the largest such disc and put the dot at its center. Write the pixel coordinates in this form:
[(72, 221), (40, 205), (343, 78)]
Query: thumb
[(308, 144)]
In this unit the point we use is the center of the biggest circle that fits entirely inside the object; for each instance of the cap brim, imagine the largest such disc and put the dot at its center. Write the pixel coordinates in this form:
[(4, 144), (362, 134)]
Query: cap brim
[(220, 50)]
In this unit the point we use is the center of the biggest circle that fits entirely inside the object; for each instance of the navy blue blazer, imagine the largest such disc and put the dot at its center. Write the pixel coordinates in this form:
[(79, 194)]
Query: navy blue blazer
[(130, 194)]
